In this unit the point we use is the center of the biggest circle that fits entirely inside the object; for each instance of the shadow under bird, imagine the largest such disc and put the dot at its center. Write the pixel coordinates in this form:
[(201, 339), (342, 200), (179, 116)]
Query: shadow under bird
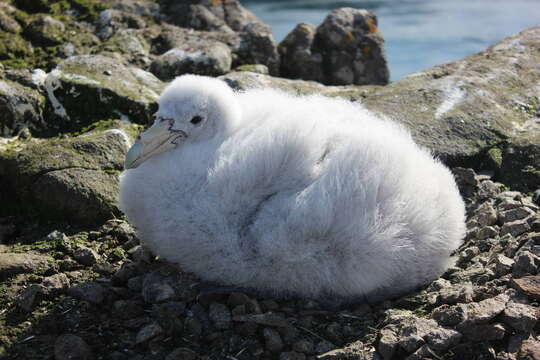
[(289, 195)]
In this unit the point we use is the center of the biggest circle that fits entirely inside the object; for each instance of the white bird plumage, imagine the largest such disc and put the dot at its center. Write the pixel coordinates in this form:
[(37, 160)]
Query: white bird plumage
[(305, 196)]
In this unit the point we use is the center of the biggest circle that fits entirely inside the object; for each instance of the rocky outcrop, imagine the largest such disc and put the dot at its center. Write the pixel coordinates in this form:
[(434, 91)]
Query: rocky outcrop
[(255, 43), (192, 52), (222, 15), (85, 89), (346, 48)]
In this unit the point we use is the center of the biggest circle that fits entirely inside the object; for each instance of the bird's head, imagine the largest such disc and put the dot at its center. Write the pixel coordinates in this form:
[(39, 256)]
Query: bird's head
[(192, 108)]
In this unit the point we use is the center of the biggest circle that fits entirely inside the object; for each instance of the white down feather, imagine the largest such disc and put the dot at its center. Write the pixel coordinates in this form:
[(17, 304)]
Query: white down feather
[(304, 196)]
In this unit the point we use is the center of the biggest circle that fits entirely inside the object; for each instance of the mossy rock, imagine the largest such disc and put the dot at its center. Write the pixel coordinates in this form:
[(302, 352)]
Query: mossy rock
[(84, 89), (84, 9), (45, 30), (73, 178), (21, 107), (14, 47)]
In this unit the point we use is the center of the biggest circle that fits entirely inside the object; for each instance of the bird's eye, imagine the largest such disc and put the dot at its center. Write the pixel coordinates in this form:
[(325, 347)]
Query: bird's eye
[(196, 119)]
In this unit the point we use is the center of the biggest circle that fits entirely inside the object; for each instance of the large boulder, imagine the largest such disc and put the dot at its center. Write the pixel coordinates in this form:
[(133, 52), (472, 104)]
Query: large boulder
[(253, 40), (346, 48), (73, 178), (479, 111), (84, 89), (222, 15), (195, 52)]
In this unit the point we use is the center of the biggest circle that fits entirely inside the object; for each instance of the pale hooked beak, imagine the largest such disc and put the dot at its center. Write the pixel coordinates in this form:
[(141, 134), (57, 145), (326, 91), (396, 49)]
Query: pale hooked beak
[(157, 139)]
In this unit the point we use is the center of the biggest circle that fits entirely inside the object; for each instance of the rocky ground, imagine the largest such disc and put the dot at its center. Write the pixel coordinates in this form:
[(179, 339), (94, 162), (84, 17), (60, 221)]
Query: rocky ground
[(80, 78)]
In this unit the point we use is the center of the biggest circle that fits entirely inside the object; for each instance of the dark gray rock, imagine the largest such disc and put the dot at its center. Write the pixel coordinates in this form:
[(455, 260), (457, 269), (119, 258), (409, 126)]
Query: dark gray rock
[(140, 254), (291, 355), (91, 292), (21, 107), (324, 347), (220, 316), (148, 332), (525, 263), (272, 340), (521, 317), (112, 20), (346, 48), (536, 197), (503, 265), (519, 213), (298, 60), (483, 332), (182, 354), (257, 46), (304, 346), (156, 289), (127, 271), (29, 297), (127, 309), (71, 347)]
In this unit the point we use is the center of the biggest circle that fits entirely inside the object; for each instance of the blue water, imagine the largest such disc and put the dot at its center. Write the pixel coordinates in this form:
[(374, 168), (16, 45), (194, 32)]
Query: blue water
[(418, 33)]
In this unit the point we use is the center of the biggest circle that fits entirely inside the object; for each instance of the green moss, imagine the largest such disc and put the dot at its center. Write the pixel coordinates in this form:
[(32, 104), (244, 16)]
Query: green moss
[(495, 157), (14, 47), (132, 130), (100, 125), (118, 253), (86, 9), (531, 170)]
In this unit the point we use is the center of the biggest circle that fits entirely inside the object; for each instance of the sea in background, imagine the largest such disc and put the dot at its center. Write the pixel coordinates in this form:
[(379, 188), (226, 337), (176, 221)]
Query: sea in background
[(418, 33)]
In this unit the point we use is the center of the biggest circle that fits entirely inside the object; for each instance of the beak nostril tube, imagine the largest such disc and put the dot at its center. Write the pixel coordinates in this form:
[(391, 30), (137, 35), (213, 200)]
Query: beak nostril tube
[(155, 140)]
